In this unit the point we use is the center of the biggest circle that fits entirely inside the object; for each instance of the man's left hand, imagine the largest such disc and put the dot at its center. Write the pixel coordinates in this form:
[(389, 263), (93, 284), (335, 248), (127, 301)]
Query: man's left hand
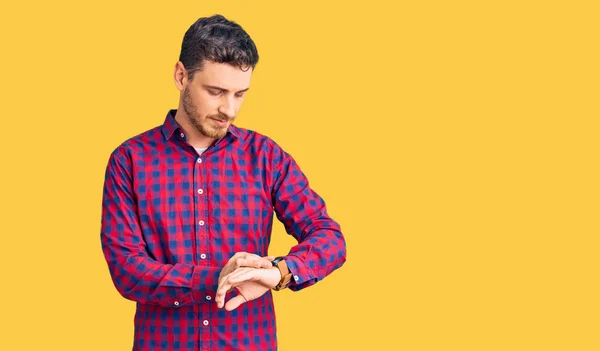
[(251, 284)]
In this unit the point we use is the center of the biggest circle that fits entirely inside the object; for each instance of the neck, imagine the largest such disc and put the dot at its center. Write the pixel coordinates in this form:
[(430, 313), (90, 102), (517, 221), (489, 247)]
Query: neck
[(192, 135)]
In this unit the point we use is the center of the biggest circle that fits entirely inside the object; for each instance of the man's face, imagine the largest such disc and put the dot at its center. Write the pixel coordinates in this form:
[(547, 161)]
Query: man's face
[(215, 94)]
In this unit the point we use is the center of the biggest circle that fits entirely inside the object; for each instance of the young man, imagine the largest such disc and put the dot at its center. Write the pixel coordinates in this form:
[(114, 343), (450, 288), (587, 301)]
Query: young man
[(188, 206)]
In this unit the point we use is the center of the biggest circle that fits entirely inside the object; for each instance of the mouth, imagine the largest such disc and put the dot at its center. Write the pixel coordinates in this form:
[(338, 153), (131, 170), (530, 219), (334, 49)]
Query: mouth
[(219, 122)]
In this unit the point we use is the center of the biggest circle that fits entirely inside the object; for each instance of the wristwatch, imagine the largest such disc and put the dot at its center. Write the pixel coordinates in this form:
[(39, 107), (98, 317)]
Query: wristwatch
[(286, 275)]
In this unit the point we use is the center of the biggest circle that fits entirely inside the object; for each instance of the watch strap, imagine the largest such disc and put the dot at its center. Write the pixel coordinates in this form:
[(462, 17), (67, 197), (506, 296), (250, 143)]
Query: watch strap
[(286, 275)]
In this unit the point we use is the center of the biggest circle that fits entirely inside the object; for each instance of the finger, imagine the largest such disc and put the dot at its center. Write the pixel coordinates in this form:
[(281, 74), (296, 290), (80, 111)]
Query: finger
[(255, 262), (265, 262), (239, 254), (226, 284), (235, 256), (240, 262), (243, 276), (222, 291), (220, 298), (233, 273), (224, 277), (238, 272), (230, 265), (235, 302), (253, 257), (224, 281)]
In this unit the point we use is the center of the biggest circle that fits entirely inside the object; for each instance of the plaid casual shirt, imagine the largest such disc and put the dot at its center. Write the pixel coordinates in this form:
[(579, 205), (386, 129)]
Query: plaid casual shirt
[(172, 218)]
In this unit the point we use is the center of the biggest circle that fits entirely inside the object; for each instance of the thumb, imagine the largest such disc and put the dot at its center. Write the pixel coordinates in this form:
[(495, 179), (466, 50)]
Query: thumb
[(234, 302)]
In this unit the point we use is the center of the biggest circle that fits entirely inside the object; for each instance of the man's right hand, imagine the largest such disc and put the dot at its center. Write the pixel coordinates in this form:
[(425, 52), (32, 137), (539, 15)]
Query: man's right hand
[(244, 259)]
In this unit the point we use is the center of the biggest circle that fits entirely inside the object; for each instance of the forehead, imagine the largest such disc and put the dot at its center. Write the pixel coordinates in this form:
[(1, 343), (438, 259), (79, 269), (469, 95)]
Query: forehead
[(224, 76)]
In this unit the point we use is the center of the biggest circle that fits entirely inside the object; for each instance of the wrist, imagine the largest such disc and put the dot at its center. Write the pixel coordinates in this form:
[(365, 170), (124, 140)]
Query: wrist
[(275, 269), (275, 276), (284, 273)]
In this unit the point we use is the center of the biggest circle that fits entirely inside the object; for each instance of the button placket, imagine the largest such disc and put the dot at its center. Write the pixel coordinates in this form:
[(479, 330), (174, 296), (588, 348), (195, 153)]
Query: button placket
[(201, 206)]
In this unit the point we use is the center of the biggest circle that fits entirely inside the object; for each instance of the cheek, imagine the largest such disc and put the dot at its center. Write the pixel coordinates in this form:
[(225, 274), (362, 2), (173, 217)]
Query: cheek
[(198, 107), (207, 107), (238, 105)]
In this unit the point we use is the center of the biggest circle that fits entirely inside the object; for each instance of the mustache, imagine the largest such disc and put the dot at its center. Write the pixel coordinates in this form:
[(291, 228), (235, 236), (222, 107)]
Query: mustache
[(221, 117)]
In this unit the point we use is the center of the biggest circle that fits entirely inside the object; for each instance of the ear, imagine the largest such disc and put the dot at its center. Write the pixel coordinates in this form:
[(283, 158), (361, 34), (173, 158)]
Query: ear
[(180, 76)]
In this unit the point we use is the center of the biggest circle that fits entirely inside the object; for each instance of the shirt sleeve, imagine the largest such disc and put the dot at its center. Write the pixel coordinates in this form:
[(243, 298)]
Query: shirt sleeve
[(321, 247), (134, 273)]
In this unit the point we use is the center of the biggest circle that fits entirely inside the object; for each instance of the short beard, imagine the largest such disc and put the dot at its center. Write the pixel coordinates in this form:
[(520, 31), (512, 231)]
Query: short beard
[(194, 118)]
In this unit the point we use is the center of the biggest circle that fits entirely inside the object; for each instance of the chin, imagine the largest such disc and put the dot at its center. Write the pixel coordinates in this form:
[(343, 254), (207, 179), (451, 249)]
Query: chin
[(216, 133)]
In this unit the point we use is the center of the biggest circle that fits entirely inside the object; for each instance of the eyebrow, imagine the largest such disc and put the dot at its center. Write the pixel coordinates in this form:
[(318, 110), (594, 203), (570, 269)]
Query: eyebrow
[(225, 90)]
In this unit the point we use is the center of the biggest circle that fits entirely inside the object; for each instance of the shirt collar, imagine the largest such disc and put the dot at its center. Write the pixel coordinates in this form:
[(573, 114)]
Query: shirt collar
[(170, 126)]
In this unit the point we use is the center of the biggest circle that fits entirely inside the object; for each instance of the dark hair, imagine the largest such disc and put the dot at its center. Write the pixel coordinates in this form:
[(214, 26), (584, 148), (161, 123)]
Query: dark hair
[(219, 40)]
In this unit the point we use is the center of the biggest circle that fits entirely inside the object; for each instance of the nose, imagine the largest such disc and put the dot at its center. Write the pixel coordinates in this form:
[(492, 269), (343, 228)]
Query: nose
[(227, 107)]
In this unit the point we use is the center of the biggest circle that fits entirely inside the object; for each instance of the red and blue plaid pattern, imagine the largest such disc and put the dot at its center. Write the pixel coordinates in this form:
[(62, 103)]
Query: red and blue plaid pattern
[(171, 219)]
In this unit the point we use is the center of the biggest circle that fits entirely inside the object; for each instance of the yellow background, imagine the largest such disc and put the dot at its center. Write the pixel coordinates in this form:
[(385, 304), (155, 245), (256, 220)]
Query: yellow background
[(456, 142)]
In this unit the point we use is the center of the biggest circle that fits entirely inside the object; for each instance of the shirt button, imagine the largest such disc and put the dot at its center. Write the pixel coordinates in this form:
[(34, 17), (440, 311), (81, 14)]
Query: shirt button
[(205, 322), (208, 297), (200, 191), (296, 278), (201, 222), (182, 135), (199, 160), (176, 303), (203, 256)]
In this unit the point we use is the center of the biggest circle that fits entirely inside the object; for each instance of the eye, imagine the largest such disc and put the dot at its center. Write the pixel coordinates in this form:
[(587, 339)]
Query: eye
[(239, 95), (215, 93)]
